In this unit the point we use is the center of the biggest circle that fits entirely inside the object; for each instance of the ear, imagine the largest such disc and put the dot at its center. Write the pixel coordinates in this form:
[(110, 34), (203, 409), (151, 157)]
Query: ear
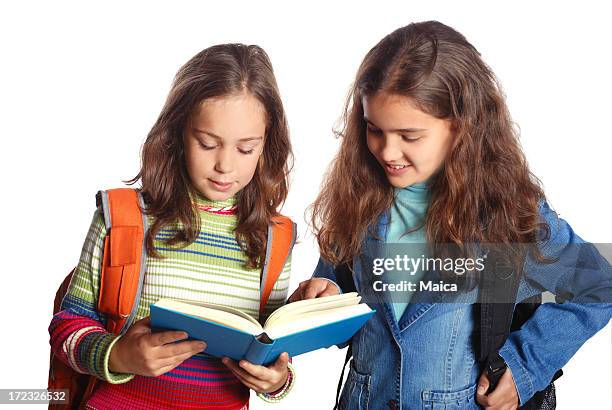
[(455, 134), (454, 125)]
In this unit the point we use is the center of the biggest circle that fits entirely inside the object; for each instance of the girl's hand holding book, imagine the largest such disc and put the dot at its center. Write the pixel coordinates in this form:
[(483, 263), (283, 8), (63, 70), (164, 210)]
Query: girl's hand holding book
[(141, 352), (262, 379), (314, 288)]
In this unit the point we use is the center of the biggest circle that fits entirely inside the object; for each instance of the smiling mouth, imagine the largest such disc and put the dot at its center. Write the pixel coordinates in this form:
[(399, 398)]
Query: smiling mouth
[(222, 186), (396, 169)]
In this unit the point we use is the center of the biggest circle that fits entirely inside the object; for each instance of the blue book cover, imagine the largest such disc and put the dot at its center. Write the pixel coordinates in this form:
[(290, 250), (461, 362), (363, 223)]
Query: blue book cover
[(224, 340)]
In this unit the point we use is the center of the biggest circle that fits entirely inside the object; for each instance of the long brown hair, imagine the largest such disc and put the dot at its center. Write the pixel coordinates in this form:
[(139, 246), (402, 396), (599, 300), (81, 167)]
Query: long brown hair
[(220, 70), (485, 191)]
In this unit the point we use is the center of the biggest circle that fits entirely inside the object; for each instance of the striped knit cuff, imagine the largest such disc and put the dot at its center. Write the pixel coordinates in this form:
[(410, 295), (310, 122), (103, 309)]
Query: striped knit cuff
[(112, 377), (281, 393)]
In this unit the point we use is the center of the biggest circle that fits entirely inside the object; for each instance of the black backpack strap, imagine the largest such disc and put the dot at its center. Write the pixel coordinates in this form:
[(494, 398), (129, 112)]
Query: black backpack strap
[(349, 354), (498, 289), (499, 282), (344, 278), (524, 310)]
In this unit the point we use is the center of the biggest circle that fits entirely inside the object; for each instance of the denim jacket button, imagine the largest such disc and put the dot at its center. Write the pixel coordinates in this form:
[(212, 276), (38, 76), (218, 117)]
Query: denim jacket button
[(393, 404)]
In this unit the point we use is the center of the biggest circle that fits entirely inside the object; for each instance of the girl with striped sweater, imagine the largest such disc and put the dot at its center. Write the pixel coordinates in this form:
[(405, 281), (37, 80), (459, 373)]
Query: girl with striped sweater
[(214, 171)]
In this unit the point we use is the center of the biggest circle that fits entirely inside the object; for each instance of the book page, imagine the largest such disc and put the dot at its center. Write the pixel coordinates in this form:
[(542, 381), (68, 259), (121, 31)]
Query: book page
[(311, 320), (222, 315), (308, 305), (297, 309)]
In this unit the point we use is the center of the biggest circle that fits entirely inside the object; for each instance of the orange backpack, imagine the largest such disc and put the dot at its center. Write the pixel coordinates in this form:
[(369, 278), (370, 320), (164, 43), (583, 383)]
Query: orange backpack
[(122, 275)]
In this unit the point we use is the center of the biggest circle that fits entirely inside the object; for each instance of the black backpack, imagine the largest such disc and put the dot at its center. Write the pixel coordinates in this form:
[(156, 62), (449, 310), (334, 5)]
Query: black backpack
[(497, 320)]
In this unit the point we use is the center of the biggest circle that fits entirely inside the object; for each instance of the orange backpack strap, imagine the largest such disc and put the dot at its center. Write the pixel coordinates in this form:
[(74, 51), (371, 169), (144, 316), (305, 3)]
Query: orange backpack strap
[(124, 256), (121, 280), (281, 238)]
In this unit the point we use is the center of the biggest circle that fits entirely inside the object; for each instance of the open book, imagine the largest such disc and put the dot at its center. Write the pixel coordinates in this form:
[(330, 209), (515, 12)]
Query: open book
[(295, 328)]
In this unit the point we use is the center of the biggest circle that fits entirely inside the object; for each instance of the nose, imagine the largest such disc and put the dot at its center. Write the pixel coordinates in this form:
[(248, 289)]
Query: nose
[(390, 149), (224, 162)]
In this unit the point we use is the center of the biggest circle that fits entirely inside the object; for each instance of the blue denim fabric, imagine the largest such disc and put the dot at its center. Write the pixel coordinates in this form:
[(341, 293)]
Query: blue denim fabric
[(427, 360)]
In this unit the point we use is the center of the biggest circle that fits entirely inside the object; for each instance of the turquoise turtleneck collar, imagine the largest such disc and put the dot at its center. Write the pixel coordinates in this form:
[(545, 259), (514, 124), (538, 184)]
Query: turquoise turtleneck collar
[(408, 212), (415, 193)]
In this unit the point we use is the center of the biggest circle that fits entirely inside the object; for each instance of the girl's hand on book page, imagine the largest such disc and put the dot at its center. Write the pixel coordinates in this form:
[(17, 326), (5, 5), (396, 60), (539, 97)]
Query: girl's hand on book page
[(314, 288), (139, 351), (503, 397), (262, 379)]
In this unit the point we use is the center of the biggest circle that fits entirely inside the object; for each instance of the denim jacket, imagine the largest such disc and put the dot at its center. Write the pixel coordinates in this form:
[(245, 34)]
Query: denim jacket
[(428, 361)]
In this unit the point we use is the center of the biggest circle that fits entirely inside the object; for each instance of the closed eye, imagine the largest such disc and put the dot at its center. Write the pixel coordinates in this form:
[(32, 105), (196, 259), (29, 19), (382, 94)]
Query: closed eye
[(409, 138), (206, 147)]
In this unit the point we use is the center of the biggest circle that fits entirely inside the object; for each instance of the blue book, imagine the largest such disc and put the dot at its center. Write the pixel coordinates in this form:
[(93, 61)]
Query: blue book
[(296, 328)]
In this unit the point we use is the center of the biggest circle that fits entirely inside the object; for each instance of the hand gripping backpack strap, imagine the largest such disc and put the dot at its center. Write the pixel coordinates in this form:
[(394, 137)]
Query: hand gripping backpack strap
[(499, 284), (123, 261), (282, 233), (498, 289)]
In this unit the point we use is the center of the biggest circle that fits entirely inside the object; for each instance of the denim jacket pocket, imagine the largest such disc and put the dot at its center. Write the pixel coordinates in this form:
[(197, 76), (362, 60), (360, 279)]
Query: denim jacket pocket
[(450, 400), (356, 392)]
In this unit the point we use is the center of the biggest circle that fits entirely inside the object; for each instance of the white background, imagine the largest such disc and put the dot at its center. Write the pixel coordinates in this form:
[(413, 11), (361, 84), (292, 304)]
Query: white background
[(81, 85)]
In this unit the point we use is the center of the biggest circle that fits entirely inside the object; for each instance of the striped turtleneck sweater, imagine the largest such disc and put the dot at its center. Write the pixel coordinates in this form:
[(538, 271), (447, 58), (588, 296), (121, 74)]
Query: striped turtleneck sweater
[(210, 270)]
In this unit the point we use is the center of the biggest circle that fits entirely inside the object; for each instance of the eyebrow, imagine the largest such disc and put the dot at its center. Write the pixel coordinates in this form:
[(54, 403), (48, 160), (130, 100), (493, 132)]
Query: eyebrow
[(219, 138), (398, 129)]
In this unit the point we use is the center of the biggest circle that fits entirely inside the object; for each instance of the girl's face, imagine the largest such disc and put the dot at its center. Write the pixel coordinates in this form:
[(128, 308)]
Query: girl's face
[(409, 144), (223, 143)]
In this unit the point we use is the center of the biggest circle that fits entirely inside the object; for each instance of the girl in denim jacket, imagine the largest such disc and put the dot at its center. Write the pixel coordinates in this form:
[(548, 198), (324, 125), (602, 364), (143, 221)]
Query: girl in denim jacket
[(429, 156)]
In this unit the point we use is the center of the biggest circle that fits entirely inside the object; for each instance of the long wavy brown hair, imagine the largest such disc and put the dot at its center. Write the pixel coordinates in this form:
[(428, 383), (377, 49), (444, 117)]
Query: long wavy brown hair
[(218, 71), (485, 191)]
